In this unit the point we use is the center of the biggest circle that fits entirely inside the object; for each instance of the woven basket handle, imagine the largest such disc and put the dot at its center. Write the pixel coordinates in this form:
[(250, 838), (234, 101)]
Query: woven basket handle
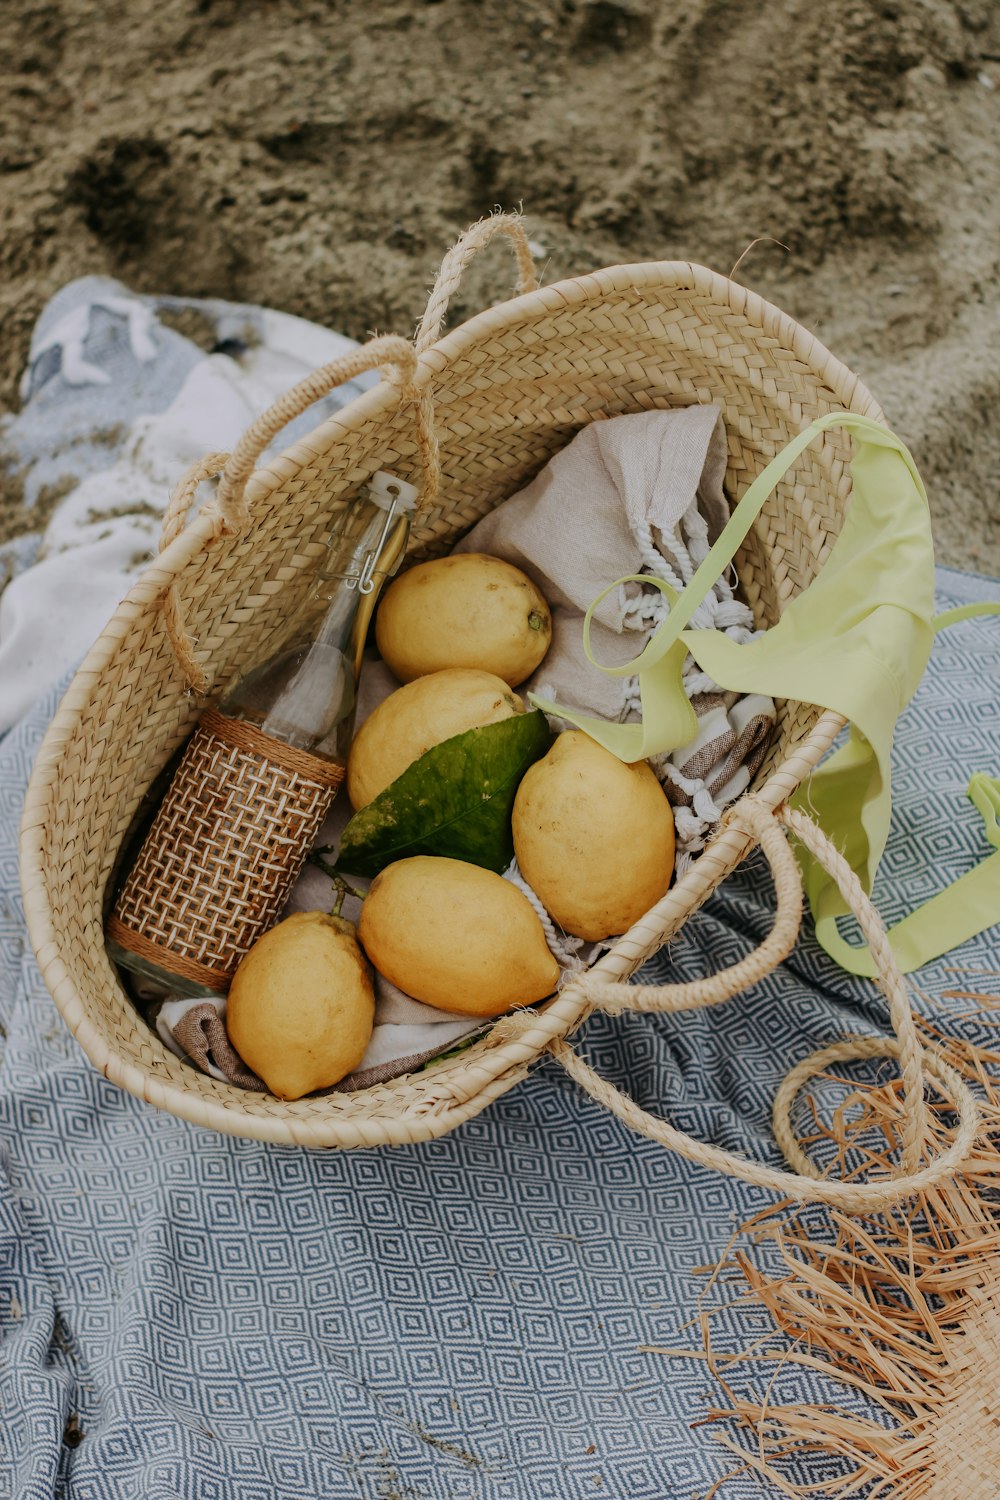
[(466, 247), (396, 356), (803, 1183)]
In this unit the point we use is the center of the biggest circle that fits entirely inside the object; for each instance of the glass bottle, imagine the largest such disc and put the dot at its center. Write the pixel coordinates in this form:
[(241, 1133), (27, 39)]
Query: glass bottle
[(260, 772)]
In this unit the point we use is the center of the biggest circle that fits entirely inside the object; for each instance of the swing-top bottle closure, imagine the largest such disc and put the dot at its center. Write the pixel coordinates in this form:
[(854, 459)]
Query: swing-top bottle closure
[(394, 496)]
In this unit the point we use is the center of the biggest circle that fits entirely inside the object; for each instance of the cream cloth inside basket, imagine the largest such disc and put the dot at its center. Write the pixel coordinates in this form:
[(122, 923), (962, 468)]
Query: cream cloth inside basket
[(643, 491), (635, 493)]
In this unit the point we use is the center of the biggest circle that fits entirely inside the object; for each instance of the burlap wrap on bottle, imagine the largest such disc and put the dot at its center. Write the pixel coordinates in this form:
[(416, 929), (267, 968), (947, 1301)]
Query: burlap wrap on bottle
[(224, 849)]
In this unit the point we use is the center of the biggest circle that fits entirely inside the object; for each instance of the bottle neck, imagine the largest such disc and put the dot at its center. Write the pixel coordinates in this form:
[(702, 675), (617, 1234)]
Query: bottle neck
[(357, 560), (304, 694)]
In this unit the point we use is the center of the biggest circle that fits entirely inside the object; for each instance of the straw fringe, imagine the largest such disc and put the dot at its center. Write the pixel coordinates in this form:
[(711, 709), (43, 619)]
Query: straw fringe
[(902, 1307)]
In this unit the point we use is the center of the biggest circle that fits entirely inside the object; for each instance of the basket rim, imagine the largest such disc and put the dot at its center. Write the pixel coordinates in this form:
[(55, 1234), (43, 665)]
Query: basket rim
[(492, 1070)]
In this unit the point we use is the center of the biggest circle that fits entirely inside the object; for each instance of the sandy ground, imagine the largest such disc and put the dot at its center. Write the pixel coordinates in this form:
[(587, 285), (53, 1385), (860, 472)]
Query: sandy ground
[(319, 157)]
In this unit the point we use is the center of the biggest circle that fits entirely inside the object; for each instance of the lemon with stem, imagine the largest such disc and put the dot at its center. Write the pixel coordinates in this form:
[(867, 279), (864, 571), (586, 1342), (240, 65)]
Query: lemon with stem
[(302, 1005)]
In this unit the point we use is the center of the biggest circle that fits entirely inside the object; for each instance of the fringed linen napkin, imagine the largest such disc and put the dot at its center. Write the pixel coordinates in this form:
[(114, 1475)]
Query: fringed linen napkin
[(641, 493)]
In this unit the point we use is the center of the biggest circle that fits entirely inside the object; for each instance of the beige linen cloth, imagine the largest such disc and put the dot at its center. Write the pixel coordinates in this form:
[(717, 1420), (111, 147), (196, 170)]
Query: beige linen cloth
[(637, 494), (629, 495)]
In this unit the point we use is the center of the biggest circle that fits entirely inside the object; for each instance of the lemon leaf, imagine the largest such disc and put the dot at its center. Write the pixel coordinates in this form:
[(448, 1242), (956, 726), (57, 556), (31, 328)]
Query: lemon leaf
[(455, 801)]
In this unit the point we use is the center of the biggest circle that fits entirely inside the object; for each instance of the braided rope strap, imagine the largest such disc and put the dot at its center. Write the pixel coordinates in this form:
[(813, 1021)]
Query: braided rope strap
[(465, 248), (174, 521), (396, 357), (803, 1184)]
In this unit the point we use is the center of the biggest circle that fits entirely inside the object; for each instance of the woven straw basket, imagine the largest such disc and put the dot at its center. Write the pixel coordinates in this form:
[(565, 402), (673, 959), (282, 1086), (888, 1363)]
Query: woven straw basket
[(472, 416)]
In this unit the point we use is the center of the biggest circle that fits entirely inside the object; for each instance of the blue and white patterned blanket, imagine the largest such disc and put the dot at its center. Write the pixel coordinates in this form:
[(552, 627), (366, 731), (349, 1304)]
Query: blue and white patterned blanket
[(186, 1316)]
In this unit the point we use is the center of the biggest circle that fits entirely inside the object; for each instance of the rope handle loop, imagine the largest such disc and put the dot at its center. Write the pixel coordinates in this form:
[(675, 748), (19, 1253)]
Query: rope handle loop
[(174, 520), (803, 1183), (390, 353), (752, 816), (465, 248), (396, 356)]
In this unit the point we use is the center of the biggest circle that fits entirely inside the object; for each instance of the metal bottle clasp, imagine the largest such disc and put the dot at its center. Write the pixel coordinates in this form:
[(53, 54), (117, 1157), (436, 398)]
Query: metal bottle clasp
[(365, 580)]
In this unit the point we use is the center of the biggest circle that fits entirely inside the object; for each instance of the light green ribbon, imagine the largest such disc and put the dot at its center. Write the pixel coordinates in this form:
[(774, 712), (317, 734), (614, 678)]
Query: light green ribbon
[(968, 906), (667, 715), (856, 640)]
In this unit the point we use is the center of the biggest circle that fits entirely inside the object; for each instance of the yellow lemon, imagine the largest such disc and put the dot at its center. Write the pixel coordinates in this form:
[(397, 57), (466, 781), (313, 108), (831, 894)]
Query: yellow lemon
[(301, 1004), (416, 717), (594, 837), (456, 936), (468, 610)]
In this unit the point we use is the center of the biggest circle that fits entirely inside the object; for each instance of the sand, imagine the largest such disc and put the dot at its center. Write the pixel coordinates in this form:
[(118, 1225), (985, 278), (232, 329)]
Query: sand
[(319, 157)]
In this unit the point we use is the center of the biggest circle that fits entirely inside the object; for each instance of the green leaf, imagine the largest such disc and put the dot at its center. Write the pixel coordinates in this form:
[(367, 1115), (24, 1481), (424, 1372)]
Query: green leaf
[(454, 801)]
